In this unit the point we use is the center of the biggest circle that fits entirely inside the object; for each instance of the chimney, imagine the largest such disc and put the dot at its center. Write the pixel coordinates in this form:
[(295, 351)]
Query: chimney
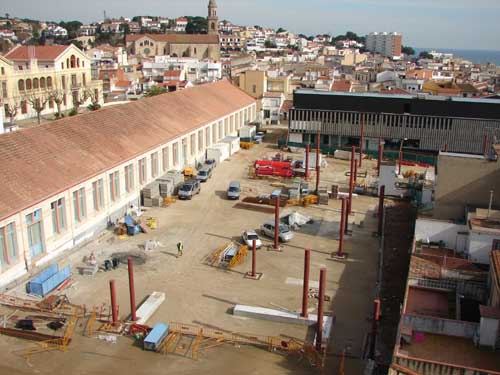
[(32, 57)]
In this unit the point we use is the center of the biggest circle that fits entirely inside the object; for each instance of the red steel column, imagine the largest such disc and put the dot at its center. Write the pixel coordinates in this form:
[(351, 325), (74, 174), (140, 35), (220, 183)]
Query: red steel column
[(114, 308), (342, 227), (254, 258), (318, 153), (305, 288), (376, 315), (361, 139), (485, 144), (381, 198), (276, 223), (380, 156), (351, 179), (355, 175), (400, 160), (131, 286), (446, 147), (346, 218), (307, 161), (321, 296)]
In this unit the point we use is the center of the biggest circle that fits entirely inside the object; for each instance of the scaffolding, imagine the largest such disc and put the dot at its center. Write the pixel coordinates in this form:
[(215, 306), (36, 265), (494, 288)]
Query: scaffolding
[(229, 255), (60, 343)]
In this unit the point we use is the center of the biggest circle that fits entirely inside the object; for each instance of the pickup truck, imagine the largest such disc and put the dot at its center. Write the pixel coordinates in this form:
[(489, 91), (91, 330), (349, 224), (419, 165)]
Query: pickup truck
[(189, 189)]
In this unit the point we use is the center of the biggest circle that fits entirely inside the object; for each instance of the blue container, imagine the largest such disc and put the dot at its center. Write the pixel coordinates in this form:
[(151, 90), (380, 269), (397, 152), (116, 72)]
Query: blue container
[(133, 230), (47, 280), (156, 336)]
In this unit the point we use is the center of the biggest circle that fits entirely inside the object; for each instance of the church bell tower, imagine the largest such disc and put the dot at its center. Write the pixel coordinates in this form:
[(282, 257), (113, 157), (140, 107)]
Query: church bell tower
[(213, 19)]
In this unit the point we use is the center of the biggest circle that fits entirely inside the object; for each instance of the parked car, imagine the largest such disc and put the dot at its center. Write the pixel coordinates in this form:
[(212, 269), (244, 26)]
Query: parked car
[(234, 189), (284, 232), (248, 237), (204, 174), (210, 163), (189, 189)]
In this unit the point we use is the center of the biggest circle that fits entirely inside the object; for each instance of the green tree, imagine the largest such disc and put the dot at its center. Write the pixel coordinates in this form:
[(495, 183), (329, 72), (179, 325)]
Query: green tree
[(197, 25), (125, 28), (425, 55), (280, 30), (72, 27), (155, 90), (408, 50), (269, 44), (78, 43)]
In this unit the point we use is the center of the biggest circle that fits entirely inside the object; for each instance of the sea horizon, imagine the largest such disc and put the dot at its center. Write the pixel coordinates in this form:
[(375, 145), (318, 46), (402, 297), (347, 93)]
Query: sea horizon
[(476, 56)]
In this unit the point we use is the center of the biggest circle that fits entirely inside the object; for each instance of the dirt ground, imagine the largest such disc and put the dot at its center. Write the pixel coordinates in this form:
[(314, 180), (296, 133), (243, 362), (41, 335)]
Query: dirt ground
[(197, 293)]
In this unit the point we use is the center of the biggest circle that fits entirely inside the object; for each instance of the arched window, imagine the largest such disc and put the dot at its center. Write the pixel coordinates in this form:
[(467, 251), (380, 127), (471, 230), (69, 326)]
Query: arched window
[(42, 83), (35, 83), (28, 84), (78, 62), (49, 82), (67, 63), (20, 85), (73, 61)]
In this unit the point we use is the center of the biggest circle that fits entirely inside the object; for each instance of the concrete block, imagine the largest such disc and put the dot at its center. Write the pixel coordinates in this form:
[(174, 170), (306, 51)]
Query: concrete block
[(279, 316), (149, 307)]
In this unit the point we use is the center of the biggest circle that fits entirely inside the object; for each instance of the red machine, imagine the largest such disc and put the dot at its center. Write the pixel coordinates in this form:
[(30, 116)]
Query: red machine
[(273, 163), (274, 171)]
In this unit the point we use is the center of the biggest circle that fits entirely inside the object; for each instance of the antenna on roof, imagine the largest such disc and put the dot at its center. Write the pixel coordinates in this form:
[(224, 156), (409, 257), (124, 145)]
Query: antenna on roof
[(105, 18)]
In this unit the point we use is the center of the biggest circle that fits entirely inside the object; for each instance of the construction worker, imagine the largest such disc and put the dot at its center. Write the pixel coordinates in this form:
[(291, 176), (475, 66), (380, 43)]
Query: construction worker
[(180, 247)]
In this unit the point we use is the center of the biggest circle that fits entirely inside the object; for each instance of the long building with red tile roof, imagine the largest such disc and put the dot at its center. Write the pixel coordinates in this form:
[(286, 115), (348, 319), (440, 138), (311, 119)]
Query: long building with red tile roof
[(102, 160)]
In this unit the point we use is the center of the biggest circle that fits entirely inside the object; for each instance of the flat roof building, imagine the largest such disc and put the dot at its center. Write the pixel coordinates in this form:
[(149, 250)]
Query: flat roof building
[(419, 122)]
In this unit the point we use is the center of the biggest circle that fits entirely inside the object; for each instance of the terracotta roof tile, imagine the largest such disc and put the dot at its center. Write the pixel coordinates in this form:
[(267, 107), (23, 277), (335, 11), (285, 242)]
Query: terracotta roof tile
[(177, 38), (41, 161), (489, 312), (342, 86), (41, 52)]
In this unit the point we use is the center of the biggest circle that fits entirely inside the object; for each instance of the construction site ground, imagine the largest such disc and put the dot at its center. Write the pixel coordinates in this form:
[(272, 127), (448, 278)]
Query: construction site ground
[(199, 294)]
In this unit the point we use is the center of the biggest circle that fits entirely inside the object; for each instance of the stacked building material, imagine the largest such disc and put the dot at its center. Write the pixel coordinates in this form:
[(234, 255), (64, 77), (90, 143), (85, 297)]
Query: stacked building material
[(323, 195), (151, 194)]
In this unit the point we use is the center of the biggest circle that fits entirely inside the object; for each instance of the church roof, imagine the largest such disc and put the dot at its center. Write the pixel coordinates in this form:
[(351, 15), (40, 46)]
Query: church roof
[(176, 38)]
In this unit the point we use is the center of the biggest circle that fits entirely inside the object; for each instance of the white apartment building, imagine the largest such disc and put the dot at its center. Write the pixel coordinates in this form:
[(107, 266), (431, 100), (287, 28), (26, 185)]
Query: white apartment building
[(384, 43)]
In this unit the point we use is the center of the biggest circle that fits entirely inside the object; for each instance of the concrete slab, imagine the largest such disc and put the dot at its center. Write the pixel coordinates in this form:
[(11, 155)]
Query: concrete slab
[(278, 315), (149, 307)]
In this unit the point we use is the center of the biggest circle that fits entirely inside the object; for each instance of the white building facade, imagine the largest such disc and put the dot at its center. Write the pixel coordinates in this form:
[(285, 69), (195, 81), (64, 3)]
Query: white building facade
[(44, 228)]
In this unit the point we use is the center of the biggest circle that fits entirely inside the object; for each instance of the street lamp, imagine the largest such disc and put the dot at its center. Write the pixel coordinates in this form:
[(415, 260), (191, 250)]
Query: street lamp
[(401, 153)]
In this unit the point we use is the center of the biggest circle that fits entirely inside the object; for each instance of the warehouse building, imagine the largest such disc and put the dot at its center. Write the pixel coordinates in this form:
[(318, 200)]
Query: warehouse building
[(63, 181), (427, 123)]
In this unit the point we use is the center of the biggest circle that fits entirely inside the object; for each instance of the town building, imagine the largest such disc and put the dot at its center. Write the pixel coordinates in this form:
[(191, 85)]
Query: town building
[(95, 165), (465, 181), (200, 46), (386, 44), (50, 78), (253, 82), (464, 125), (180, 25), (272, 102), (87, 30)]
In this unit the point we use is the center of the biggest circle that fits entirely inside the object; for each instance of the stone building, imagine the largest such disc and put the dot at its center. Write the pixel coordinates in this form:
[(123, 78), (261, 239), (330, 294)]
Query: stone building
[(200, 46)]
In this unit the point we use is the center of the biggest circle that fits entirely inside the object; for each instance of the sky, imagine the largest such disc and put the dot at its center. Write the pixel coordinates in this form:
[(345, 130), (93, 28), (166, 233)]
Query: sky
[(459, 24)]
